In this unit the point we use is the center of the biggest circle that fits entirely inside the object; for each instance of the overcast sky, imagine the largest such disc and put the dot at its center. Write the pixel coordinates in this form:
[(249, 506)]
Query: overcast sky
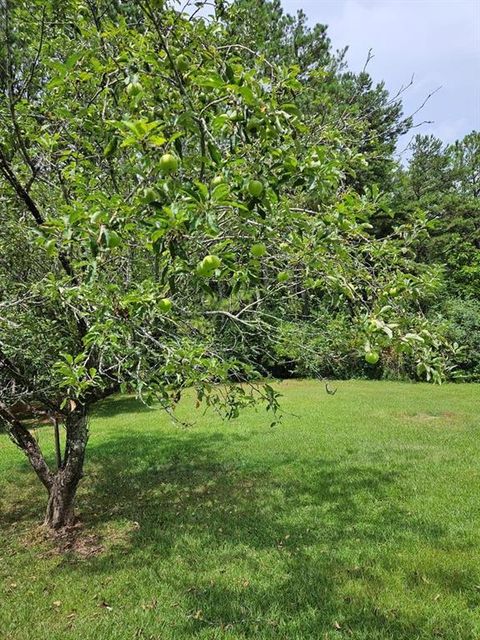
[(437, 40)]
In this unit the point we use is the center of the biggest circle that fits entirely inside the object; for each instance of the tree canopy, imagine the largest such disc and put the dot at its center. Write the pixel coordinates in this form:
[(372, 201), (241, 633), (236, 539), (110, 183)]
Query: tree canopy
[(182, 205)]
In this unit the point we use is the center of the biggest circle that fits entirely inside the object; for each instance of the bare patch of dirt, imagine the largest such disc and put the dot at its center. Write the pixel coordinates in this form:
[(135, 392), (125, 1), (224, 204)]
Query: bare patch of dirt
[(71, 539), (429, 417)]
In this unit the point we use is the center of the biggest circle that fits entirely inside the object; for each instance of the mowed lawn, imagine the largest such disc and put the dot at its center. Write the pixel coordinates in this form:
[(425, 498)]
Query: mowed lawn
[(358, 517)]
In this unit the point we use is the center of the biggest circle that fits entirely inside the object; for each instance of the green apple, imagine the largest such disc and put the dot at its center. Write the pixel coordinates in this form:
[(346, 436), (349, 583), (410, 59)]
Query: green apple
[(372, 357), (168, 163), (211, 262), (133, 88), (182, 63), (165, 305), (258, 250), (216, 180), (255, 188), (208, 265)]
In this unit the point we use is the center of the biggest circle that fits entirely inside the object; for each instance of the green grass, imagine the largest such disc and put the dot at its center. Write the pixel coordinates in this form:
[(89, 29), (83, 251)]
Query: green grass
[(359, 517)]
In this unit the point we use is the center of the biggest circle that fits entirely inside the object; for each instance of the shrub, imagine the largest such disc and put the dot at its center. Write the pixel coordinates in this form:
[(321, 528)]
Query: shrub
[(463, 327)]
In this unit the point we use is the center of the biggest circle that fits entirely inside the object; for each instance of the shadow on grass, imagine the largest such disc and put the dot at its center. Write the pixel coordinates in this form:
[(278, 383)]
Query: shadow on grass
[(311, 526), (114, 405), (321, 527)]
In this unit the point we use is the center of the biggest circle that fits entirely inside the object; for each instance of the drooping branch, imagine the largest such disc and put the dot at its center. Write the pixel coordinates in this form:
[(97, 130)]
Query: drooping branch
[(32, 207), (41, 40), (28, 201), (22, 437), (7, 364), (202, 127)]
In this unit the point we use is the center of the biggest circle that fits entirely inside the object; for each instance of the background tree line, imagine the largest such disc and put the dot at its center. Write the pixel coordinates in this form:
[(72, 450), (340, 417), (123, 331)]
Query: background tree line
[(438, 183)]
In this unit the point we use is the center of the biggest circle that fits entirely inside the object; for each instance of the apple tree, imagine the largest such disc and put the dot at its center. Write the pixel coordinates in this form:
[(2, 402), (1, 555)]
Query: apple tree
[(156, 220)]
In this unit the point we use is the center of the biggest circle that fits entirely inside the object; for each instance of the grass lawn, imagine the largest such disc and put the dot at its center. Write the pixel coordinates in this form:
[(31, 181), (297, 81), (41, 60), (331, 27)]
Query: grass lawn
[(359, 517)]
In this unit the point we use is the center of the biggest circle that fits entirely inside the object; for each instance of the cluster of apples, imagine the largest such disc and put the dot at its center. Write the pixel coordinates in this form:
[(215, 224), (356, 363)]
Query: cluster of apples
[(168, 164)]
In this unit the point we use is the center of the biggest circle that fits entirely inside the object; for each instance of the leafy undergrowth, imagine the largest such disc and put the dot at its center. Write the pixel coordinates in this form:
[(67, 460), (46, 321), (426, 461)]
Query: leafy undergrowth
[(358, 517)]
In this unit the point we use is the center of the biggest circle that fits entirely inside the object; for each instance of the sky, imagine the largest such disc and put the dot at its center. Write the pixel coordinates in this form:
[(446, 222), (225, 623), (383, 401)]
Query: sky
[(437, 41)]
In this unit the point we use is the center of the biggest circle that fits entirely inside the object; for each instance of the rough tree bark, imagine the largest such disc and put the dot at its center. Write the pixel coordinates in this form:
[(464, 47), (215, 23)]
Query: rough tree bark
[(61, 493), (61, 485), (22, 437)]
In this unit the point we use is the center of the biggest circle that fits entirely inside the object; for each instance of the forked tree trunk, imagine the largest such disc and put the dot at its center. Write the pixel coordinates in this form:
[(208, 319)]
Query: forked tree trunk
[(60, 511), (64, 483)]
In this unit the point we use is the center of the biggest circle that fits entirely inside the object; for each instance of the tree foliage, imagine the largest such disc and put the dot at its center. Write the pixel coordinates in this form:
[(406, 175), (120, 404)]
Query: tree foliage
[(443, 181), (169, 204)]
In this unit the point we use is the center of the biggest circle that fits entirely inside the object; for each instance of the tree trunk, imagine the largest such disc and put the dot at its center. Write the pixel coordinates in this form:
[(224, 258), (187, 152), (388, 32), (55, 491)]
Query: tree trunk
[(60, 504), (62, 485), (63, 488)]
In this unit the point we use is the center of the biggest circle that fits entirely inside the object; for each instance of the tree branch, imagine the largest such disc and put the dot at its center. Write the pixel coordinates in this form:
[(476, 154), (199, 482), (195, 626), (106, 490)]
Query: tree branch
[(22, 437), (25, 197)]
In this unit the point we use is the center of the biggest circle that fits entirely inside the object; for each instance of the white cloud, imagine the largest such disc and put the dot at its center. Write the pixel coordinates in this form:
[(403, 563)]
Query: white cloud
[(437, 40)]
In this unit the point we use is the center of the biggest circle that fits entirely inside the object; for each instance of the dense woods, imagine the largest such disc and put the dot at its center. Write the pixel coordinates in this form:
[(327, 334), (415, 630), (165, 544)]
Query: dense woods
[(436, 187), (193, 202)]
